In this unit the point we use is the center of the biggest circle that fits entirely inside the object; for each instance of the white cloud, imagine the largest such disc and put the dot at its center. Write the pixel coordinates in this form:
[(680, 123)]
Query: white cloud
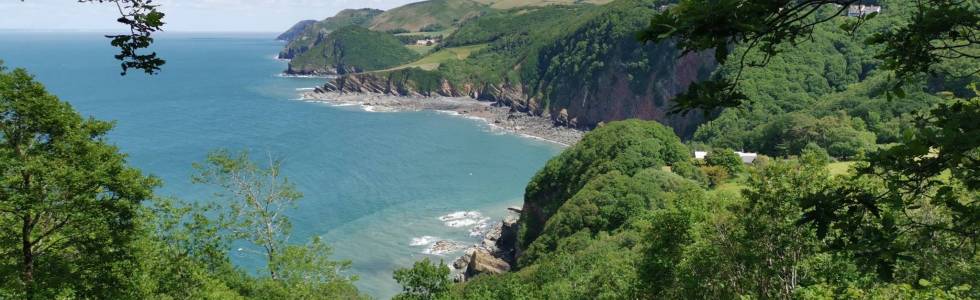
[(182, 15)]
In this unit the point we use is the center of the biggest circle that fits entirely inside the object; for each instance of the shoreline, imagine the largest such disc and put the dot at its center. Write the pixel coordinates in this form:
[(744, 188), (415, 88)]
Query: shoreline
[(497, 117)]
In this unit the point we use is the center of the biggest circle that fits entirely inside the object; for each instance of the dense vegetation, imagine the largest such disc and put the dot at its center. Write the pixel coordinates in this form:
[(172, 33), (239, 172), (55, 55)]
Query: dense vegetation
[(317, 31), (353, 49), (296, 30), (79, 223), (635, 230), (902, 224)]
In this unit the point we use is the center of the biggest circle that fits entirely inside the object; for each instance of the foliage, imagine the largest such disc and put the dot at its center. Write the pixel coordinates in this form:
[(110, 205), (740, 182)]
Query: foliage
[(423, 281), (355, 49), (68, 198), (717, 175), (257, 197), (625, 147), (938, 31), (317, 31), (794, 232), (725, 158)]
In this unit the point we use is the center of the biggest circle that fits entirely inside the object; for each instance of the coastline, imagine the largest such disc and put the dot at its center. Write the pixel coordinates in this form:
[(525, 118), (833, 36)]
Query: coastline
[(498, 117)]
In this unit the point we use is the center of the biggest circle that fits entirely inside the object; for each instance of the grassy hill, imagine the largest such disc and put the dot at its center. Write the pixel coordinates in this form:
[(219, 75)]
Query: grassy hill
[(352, 49), (295, 31), (433, 60), (316, 31), (432, 15), (507, 4)]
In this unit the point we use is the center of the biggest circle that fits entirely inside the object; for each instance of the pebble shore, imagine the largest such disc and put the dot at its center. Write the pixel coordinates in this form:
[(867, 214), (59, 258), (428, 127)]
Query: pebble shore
[(499, 117)]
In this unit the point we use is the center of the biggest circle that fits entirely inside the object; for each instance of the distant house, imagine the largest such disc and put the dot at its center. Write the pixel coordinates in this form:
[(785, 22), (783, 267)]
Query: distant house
[(747, 157), (700, 154), (426, 42), (858, 10)]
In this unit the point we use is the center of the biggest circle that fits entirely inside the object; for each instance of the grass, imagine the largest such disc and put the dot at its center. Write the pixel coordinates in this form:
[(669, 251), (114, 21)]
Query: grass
[(432, 61), (839, 168), (421, 50), (506, 4), (443, 33)]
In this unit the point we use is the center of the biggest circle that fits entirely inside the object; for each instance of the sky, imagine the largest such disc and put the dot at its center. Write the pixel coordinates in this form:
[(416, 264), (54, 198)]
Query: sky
[(182, 15)]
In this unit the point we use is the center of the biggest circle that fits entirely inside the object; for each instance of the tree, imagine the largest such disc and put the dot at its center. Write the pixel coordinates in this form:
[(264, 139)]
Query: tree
[(67, 197), (725, 158), (912, 203), (424, 281), (938, 31), (143, 20), (258, 198)]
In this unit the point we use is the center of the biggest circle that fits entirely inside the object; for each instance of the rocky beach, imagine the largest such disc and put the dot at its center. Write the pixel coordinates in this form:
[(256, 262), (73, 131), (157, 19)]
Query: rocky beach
[(497, 116)]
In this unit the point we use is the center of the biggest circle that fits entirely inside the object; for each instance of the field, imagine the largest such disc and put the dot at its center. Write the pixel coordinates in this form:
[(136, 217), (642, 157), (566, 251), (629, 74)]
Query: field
[(506, 4), (839, 168), (432, 61)]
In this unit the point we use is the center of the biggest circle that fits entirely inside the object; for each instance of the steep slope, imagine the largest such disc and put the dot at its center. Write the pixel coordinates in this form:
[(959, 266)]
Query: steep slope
[(295, 31), (349, 50), (579, 65), (315, 32), (829, 91), (507, 4), (432, 15)]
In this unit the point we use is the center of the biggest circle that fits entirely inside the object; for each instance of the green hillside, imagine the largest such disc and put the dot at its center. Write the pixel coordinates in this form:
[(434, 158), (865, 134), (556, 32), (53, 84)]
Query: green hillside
[(587, 55), (315, 32), (507, 4), (295, 31), (352, 49), (432, 15)]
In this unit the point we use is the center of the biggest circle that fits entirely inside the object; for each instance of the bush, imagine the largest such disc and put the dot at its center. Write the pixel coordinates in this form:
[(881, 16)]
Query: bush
[(717, 175), (725, 158)]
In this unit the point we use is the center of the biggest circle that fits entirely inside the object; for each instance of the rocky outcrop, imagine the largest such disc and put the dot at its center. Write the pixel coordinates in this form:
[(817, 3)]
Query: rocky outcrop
[(613, 96), (494, 255), (320, 71)]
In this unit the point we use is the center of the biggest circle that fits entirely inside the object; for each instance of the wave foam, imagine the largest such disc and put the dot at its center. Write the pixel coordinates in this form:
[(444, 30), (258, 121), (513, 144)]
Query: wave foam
[(423, 240), (473, 219)]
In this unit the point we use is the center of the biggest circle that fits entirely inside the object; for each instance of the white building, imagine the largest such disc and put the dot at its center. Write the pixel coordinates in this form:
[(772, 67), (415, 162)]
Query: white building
[(426, 42), (747, 157), (858, 10)]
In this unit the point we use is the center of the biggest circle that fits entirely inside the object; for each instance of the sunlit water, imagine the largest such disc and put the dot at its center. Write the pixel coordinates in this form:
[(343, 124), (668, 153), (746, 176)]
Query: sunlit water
[(375, 184)]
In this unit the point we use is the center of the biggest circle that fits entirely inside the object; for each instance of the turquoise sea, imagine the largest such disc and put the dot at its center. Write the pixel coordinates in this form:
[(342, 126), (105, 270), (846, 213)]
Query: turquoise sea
[(375, 184)]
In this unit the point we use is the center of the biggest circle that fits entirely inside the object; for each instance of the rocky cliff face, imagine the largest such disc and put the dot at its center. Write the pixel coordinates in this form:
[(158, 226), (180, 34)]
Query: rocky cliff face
[(612, 96)]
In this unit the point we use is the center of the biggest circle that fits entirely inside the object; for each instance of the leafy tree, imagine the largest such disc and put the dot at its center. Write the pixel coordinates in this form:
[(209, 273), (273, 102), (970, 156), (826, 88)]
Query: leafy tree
[(258, 198), (914, 207), (717, 175), (626, 147), (143, 20), (68, 198), (938, 31), (814, 155), (424, 281), (725, 158)]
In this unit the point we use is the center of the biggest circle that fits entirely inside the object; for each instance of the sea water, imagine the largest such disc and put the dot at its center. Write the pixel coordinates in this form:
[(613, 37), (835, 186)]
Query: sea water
[(380, 187)]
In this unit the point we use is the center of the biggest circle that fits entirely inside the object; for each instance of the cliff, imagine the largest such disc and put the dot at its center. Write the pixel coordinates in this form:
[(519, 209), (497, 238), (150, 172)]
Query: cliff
[(294, 32), (349, 50), (580, 66), (613, 97), (317, 31)]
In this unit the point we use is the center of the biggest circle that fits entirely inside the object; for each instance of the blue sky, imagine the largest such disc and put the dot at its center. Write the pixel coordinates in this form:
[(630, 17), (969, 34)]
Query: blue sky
[(182, 15)]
